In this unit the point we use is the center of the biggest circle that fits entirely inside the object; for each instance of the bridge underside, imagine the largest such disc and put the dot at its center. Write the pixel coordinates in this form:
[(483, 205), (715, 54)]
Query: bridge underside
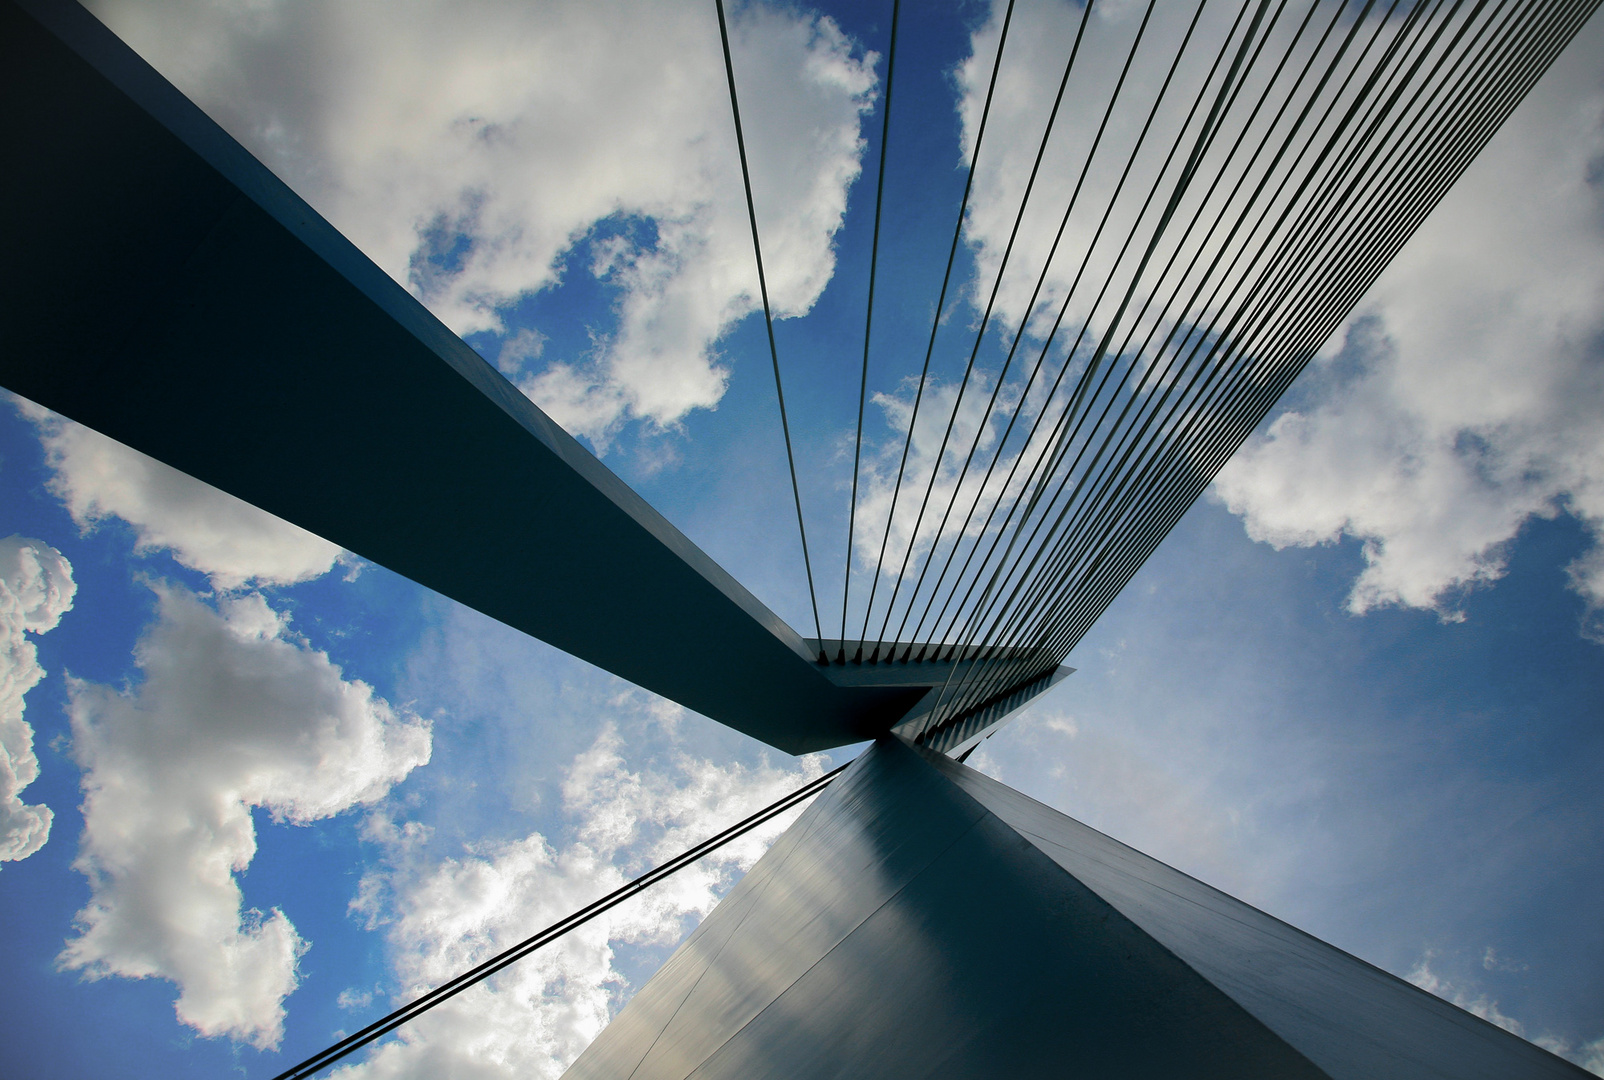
[(921, 919)]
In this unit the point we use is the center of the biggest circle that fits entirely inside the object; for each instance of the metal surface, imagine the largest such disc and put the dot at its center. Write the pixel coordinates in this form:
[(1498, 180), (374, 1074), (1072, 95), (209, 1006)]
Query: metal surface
[(960, 733), (921, 919), (161, 286), (1351, 1019)]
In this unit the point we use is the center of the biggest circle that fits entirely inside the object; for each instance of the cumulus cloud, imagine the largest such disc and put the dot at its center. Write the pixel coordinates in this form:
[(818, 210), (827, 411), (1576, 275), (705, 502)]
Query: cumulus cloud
[(468, 148), (534, 1018), (1480, 1005), (205, 529), (1466, 394), (233, 713), (1589, 1056), (36, 589)]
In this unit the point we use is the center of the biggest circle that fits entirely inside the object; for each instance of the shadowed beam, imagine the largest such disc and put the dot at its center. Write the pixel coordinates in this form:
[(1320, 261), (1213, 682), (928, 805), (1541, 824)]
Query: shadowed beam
[(161, 286)]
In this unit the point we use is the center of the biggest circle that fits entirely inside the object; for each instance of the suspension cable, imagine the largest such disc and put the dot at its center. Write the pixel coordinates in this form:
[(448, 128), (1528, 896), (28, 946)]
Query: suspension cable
[(868, 324), (768, 320), (1301, 252), (1019, 335), (946, 277), (891, 604)]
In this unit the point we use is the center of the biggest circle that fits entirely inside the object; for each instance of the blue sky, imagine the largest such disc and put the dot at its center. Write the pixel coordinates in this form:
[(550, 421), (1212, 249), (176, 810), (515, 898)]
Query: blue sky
[(1358, 686)]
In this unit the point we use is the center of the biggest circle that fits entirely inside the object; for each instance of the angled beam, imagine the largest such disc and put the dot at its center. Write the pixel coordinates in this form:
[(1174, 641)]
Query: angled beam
[(160, 285)]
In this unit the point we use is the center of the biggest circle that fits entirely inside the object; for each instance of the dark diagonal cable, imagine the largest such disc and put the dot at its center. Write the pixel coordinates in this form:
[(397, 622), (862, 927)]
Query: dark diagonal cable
[(1035, 605), (1222, 441), (1064, 368), (445, 991), (1288, 268), (1204, 281), (1075, 195), (1206, 278), (868, 324), (1047, 345), (1082, 383), (768, 320), (1019, 336), (1134, 396), (946, 277), (1136, 44), (1167, 515), (1205, 138), (1041, 151)]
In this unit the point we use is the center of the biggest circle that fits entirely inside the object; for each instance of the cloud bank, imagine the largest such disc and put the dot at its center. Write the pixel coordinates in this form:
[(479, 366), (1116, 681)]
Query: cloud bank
[(470, 148), (1466, 395), (36, 589), (233, 713), (208, 530), (534, 1018)]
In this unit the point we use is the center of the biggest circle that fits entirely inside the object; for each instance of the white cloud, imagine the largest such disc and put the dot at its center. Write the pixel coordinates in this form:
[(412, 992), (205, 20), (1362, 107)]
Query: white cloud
[(233, 713), (1477, 1004), (36, 588), (468, 147), (352, 998), (206, 529), (1469, 395), (1589, 1056), (534, 1018)]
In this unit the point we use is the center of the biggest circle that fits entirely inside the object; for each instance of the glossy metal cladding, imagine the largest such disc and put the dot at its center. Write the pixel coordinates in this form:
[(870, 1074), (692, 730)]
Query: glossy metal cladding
[(923, 920), (161, 286), (958, 734), (931, 667)]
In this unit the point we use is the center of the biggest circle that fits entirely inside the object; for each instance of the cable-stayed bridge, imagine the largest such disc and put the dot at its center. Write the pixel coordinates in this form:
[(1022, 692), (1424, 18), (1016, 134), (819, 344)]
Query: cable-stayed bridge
[(1236, 186)]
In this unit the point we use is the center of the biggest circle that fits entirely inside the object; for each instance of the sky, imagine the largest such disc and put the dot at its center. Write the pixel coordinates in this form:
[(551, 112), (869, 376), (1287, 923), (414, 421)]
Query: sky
[(255, 790)]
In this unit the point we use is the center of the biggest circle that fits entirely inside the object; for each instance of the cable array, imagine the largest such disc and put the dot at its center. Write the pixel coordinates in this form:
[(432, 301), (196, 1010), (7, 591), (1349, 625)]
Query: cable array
[(1246, 183)]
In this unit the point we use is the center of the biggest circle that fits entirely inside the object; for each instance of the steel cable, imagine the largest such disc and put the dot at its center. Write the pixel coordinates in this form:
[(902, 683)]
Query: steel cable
[(768, 317), (1411, 120), (868, 319), (1511, 89)]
